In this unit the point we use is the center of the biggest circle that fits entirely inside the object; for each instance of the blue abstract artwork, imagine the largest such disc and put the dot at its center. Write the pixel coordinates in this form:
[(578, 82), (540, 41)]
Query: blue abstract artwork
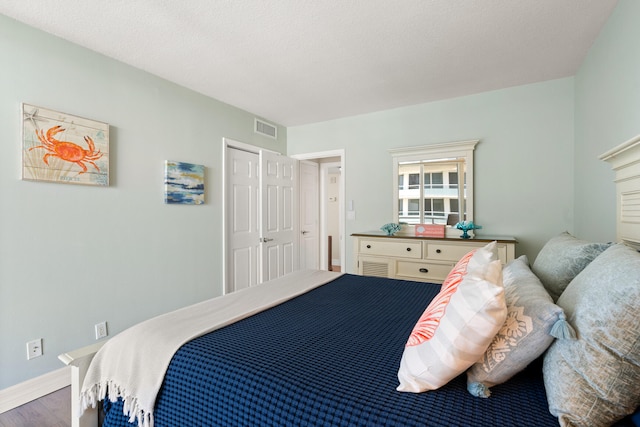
[(183, 183)]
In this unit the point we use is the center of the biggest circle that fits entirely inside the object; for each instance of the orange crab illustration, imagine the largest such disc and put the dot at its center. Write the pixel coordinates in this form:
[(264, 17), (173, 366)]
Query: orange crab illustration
[(67, 151)]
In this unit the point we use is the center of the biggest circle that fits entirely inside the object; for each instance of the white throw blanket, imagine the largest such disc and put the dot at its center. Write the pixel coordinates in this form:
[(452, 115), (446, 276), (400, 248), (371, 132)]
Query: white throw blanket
[(132, 364)]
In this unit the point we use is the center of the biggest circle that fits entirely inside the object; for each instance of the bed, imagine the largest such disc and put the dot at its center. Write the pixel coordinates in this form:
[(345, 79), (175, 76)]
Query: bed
[(323, 348)]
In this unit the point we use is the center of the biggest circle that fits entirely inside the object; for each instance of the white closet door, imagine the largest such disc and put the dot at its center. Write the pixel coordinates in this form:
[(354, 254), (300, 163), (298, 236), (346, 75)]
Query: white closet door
[(243, 226), (278, 248)]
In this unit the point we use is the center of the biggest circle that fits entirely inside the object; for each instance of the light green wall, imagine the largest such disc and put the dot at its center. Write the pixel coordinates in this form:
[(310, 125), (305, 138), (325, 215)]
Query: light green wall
[(523, 163), (607, 114), (71, 256)]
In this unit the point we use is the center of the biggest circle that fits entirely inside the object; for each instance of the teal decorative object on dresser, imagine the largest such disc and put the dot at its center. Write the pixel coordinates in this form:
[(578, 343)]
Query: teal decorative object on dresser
[(391, 228)]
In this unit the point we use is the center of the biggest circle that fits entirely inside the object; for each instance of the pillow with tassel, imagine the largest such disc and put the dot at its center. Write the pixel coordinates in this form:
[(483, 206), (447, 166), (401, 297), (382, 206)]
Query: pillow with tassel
[(533, 322), (594, 380)]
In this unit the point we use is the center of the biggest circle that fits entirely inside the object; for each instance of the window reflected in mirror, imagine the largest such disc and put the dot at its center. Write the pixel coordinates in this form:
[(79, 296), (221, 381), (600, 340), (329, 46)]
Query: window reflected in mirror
[(432, 191)]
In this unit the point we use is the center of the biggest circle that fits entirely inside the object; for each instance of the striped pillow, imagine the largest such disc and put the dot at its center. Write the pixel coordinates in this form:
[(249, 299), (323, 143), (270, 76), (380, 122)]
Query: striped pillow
[(458, 325)]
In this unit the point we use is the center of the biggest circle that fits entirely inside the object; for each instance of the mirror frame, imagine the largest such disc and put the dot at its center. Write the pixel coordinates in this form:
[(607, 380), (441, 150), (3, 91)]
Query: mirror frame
[(445, 150)]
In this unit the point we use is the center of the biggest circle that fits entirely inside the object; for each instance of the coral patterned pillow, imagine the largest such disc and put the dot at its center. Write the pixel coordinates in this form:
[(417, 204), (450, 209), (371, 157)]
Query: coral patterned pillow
[(458, 325)]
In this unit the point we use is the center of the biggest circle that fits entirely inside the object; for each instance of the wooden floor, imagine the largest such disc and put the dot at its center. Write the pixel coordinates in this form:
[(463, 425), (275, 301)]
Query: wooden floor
[(53, 410)]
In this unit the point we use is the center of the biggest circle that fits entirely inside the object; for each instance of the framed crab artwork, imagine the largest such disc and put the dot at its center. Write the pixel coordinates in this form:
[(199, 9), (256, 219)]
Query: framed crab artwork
[(63, 148)]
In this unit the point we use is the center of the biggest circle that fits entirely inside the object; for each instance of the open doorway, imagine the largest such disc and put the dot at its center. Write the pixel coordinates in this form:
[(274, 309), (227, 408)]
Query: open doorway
[(331, 242), (331, 179)]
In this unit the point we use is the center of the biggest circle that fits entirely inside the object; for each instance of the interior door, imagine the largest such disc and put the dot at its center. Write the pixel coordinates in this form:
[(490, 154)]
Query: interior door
[(243, 226), (309, 215), (278, 245)]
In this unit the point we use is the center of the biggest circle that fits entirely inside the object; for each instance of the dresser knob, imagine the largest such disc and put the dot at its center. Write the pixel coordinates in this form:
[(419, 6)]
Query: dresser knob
[(438, 251), (424, 270), (368, 246), (408, 249)]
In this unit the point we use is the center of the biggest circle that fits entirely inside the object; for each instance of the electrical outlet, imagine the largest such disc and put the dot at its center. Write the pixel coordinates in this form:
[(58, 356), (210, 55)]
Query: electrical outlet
[(34, 348), (101, 330)]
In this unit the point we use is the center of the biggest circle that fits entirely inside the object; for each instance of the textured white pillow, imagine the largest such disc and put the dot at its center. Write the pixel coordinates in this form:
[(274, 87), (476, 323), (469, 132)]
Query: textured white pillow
[(595, 380), (561, 259), (458, 325)]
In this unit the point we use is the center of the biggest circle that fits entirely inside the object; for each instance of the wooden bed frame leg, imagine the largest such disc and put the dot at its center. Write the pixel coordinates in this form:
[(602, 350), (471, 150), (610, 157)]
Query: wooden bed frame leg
[(90, 417), (79, 361)]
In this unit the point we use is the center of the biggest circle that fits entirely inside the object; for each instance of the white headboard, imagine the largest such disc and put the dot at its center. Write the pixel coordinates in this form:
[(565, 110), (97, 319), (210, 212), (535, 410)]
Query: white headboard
[(625, 161)]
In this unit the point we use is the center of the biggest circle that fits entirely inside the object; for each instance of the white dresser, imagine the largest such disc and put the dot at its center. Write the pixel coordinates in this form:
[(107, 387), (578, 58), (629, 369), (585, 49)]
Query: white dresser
[(424, 259)]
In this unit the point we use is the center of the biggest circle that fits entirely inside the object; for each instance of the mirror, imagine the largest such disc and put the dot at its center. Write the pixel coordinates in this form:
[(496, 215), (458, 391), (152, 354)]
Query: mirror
[(434, 184)]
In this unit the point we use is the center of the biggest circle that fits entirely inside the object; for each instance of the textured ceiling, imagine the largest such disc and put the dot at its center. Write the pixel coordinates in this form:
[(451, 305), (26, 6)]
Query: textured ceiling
[(302, 61)]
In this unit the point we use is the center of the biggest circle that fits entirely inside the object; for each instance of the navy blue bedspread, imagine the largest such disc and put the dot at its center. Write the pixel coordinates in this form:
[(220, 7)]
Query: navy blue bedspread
[(329, 357)]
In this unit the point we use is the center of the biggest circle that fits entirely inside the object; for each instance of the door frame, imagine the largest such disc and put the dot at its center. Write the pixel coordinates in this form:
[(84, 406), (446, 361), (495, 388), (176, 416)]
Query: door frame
[(323, 204)]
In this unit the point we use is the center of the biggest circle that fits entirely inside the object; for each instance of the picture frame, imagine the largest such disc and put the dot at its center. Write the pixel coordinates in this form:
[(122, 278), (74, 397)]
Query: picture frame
[(184, 183), (63, 148), (429, 230)]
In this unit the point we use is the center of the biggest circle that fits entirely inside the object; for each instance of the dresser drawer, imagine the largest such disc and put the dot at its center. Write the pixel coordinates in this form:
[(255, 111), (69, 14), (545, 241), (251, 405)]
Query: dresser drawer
[(390, 247), (449, 252), (423, 271)]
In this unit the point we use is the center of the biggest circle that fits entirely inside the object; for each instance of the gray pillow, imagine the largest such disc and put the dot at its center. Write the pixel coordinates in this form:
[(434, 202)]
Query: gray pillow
[(561, 259), (525, 335), (595, 380)]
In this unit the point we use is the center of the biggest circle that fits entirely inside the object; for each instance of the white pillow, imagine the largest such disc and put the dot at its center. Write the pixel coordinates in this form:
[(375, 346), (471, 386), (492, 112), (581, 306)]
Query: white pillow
[(458, 325)]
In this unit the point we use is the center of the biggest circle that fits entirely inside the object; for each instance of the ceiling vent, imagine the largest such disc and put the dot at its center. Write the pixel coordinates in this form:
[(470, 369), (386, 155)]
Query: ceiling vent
[(266, 129)]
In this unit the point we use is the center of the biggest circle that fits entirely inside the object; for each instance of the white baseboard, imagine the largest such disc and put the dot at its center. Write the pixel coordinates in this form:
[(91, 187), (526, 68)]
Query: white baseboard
[(25, 392)]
